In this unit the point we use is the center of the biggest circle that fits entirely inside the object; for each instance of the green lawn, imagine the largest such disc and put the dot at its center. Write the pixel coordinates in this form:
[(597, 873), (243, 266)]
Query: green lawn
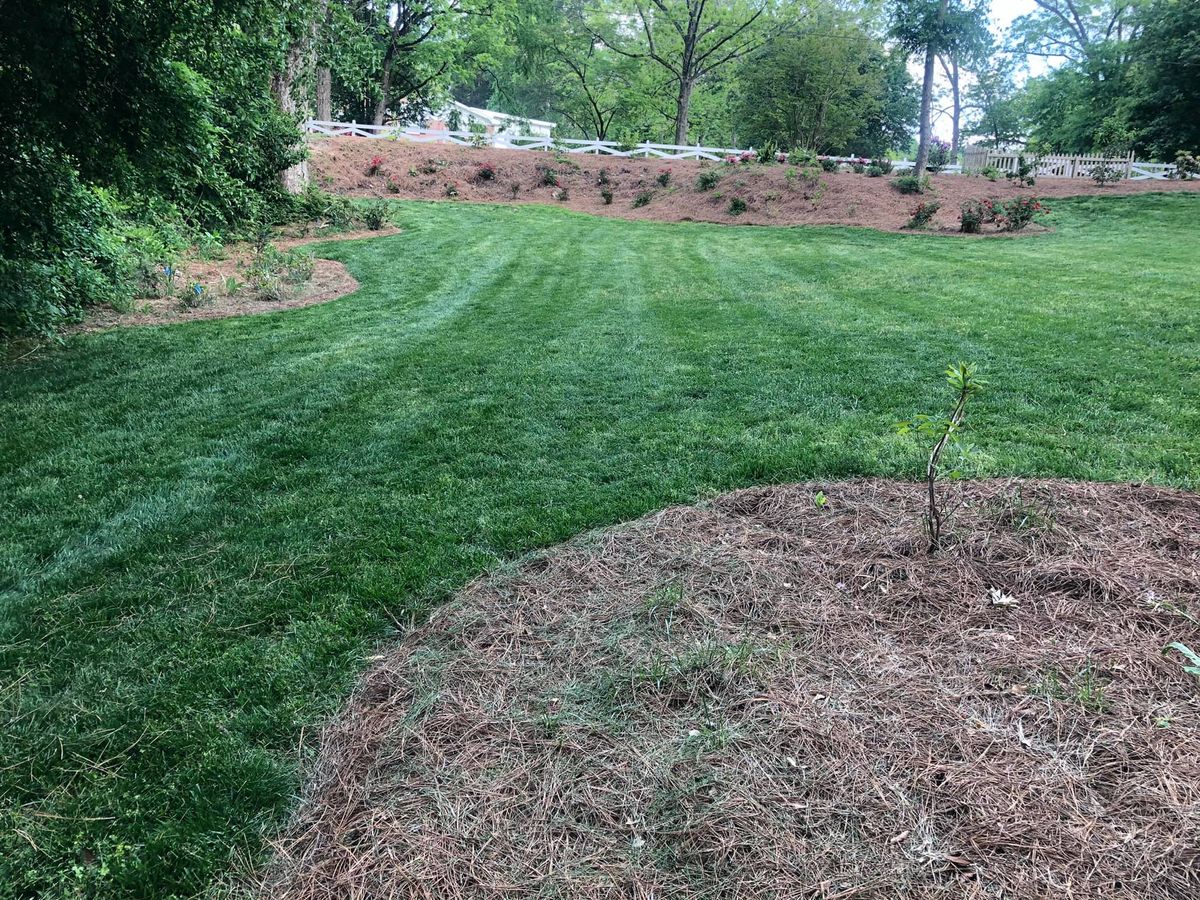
[(205, 527)]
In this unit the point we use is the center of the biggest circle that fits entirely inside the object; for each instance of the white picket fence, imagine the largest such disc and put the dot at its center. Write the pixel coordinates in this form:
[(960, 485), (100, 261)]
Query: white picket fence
[(1058, 166), (508, 141), (974, 158)]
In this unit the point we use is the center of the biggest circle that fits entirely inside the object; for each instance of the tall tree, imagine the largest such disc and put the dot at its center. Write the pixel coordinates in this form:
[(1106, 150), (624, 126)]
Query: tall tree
[(932, 28), (967, 54), (1165, 86), (687, 39)]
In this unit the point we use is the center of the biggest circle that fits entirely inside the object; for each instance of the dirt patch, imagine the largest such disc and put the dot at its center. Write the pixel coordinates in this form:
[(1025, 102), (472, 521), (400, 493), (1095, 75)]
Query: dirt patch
[(330, 280), (764, 697), (426, 171)]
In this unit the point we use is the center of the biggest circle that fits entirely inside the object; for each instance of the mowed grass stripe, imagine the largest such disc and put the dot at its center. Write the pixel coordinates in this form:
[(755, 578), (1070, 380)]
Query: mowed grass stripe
[(203, 528)]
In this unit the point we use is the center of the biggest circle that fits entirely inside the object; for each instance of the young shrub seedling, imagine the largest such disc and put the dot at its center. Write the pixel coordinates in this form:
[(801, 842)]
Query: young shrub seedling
[(943, 430)]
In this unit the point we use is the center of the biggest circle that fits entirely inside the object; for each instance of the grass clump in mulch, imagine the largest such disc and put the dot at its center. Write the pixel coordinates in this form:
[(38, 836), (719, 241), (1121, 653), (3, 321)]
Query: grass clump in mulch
[(778, 695)]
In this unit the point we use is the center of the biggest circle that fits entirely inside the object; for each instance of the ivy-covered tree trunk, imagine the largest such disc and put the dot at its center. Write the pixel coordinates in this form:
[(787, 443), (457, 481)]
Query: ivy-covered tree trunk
[(284, 87)]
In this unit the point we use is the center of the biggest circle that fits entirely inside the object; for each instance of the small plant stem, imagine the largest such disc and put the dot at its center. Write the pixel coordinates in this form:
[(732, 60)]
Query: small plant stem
[(933, 516)]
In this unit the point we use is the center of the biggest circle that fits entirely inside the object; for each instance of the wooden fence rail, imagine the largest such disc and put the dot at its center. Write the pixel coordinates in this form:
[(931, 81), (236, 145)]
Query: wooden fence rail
[(974, 158)]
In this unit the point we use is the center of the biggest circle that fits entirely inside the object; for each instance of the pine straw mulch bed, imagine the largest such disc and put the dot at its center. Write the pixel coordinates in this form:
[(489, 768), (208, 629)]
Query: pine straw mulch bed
[(423, 172), (762, 698), (330, 281)]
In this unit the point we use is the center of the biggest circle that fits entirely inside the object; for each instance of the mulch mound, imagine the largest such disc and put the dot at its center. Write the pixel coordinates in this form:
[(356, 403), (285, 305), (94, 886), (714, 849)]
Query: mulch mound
[(425, 171), (330, 280), (764, 697)]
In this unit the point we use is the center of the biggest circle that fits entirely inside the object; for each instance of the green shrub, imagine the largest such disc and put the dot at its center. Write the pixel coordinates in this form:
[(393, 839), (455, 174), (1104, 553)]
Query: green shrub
[(603, 178), (606, 195), (663, 177), (708, 179), (375, 215), (829, 165), (1187, 165), (643, 199), (737, 206), (549, 177), (911, 184), (884, 165), (874, 171)]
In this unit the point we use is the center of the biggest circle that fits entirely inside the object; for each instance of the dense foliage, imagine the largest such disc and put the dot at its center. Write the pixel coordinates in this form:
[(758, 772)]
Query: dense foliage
[(126, 112)]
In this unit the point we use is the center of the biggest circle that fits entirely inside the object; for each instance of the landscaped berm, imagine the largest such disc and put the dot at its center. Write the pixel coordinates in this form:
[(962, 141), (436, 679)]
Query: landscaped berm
[(781, 694)]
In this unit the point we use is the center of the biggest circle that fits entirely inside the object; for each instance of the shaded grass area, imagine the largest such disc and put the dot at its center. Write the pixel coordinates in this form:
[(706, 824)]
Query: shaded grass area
[(204, 527)]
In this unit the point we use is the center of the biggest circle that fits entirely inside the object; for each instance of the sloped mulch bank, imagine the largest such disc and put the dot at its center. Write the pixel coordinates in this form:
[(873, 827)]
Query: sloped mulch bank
[(426, 171), (763, 697)]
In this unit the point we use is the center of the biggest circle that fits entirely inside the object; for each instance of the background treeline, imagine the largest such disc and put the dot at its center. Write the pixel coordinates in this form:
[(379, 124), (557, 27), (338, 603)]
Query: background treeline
[(130, 127)]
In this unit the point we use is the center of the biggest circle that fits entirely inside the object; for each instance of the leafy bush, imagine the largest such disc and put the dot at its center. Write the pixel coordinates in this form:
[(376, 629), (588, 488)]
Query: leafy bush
[(767, 153), (549, 177), (451, 189), (1019, 213), (375, 215), (643, 199), (485, 172), (606, 195), (1024, 173), (392, 186), (708, 180), (737, 206), (1187, 165), (857, 168), (911, 184), (603, 178), (923, 214), (974, 214), (829, 165), (663, 177), (991, 173), (374, 166), (884, 165), (873, 171), (802, 157)]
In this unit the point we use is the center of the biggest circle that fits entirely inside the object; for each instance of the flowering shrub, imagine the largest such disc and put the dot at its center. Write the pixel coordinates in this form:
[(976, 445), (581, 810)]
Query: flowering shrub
[(781, 157), (1019, 212), (939, 154), (485, 172), (974, 214), (663, 177), (746, 156), (374, 165), (923, 214)]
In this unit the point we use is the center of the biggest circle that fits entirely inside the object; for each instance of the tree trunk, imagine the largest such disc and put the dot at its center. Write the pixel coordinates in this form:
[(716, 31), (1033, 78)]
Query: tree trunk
[(956, 100), (683, 104), (283, 85), (324, 94), (926, 103), (385, 89)]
